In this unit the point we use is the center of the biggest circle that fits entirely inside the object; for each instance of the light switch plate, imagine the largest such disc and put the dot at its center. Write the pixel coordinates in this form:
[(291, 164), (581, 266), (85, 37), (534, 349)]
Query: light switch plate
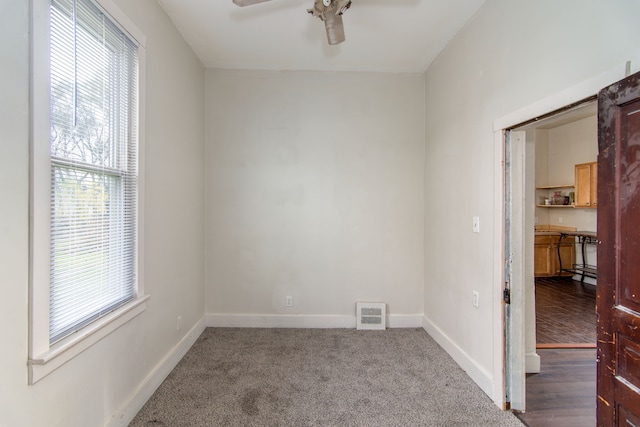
[(476, 224)]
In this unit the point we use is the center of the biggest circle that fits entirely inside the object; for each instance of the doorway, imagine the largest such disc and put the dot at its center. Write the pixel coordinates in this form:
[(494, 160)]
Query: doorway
[(564, 265), (616, 93), (560, 323), (516, 231), (523, 214)]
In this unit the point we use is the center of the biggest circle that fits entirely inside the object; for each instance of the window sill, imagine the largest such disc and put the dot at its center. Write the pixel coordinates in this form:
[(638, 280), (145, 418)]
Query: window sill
[(70, 347)]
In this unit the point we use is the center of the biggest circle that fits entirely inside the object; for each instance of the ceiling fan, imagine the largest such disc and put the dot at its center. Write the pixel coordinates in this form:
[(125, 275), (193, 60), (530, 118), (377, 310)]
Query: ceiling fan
[(329, 11)]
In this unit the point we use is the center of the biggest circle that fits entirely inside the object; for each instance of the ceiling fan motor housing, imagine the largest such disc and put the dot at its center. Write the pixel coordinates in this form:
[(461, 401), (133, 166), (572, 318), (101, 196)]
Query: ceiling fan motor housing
[(329, 11), (322, 7)]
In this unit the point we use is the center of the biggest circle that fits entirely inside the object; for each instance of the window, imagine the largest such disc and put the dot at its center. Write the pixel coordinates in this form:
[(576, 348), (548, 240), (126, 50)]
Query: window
[(93, 166), (89, 176)]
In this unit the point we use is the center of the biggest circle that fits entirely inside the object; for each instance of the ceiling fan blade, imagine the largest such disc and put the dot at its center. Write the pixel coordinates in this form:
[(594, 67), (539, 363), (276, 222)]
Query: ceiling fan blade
[(335, 29), (247, 2)]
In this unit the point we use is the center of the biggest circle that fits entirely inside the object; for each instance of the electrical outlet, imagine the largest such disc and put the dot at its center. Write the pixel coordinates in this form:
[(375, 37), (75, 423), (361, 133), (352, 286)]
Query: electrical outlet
[(288, 301), (179, 323), (476, 299), (560, 220)]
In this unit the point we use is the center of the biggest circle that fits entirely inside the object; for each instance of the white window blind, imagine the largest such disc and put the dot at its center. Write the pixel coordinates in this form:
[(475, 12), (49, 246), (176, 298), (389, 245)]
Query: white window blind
[(93, 166)]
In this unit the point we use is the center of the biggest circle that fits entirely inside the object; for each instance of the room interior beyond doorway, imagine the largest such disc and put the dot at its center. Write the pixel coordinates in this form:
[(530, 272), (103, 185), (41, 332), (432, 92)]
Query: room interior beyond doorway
[(555, 145)]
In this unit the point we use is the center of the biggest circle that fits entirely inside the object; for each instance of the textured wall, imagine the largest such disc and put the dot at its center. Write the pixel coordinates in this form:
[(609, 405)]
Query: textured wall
[(314, 190)]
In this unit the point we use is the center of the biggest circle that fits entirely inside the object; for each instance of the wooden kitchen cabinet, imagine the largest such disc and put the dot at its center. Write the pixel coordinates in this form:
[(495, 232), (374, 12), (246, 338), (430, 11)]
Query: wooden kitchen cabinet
[(542, 257), (545, 255), (586, 175)]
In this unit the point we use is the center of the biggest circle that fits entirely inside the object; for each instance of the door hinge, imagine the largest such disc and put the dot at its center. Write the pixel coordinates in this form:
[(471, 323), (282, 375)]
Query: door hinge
[(506, 296)]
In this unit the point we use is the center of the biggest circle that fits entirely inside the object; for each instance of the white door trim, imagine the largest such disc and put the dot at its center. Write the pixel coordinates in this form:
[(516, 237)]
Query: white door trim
[(515, 267)]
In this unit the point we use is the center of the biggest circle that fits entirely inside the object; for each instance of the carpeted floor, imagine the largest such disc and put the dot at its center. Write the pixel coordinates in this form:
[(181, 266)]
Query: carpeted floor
[(319, 377)]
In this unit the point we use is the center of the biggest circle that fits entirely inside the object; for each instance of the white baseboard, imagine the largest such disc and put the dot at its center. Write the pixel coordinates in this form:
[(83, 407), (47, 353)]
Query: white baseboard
[(128, 411), (278, 321), (303, 321), (478, 374), (404, 321), (532, 363)]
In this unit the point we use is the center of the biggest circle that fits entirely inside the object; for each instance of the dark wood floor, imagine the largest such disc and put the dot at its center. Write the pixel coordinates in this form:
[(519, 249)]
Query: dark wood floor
[(563, 394), (565, 311)]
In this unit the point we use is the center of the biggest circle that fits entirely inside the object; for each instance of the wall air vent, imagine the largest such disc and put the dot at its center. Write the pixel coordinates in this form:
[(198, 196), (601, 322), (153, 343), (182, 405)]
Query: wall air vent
[(371, 315)]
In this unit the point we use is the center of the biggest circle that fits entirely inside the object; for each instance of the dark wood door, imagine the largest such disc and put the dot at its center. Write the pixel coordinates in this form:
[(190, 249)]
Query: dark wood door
[(618, 289)]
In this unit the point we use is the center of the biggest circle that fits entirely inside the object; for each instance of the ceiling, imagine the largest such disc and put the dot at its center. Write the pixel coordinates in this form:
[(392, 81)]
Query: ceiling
[(381, 35)]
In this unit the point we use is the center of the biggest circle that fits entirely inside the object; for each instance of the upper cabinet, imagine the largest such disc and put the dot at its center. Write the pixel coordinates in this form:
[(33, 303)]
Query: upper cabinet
[(586, 184)]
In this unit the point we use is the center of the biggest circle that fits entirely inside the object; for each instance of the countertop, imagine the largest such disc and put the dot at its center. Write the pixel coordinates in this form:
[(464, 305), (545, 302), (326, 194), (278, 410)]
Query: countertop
[(566, 233)]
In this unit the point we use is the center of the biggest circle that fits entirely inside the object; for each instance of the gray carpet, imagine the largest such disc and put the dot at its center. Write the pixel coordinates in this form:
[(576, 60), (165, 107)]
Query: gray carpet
[(319, 377)]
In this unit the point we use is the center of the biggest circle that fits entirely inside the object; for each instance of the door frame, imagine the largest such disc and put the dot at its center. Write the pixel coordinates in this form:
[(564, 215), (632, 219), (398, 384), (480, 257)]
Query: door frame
[(511, 379), (515, 266)]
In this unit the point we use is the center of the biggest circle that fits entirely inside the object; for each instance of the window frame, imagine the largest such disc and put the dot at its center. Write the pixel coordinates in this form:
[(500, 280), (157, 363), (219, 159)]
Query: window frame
[(43, 357)]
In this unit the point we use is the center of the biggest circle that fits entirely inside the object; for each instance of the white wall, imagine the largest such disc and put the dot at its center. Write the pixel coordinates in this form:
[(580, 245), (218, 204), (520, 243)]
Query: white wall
[(511, 55), (540, 138), (102, 381), (560, 149), (314, 190), (571, 144)]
